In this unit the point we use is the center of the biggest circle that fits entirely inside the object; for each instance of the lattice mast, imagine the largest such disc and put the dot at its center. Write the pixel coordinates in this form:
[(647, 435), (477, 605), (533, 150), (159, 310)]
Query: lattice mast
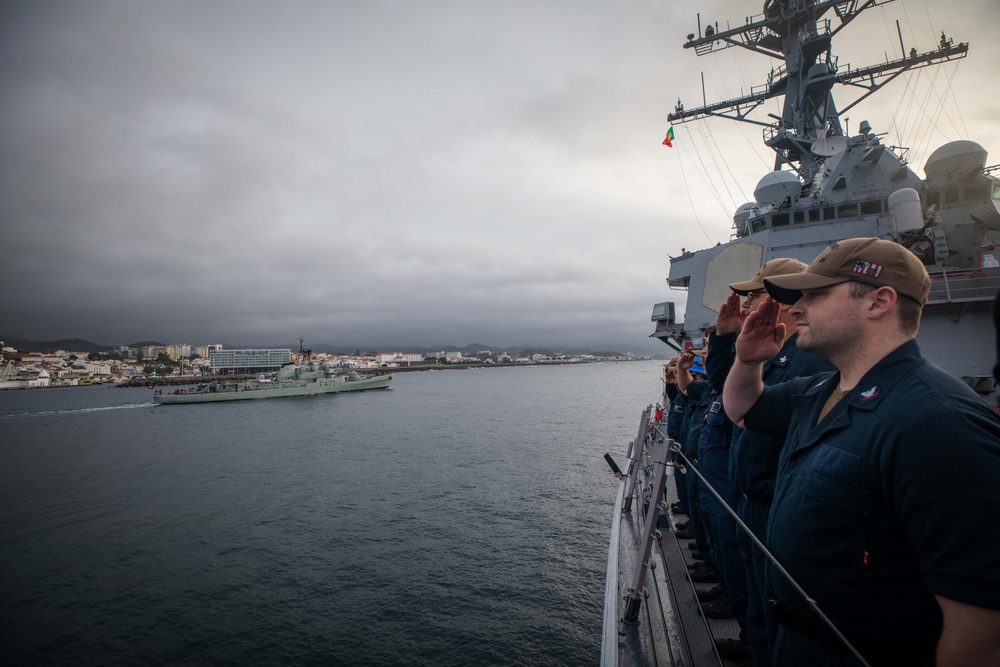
[(795, 33)]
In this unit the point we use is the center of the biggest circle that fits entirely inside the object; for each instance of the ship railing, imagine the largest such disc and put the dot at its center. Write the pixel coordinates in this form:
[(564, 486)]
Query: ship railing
[(623, 504), (649, 466), (776, 74), (675, 450), (635, 456), (808, 173), (951, 286), (770, 132), (650, 457)]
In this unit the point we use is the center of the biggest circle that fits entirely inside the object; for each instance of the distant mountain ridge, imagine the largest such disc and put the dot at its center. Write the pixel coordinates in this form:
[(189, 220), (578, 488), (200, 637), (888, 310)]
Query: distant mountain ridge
[(473, 348), (67, 344)]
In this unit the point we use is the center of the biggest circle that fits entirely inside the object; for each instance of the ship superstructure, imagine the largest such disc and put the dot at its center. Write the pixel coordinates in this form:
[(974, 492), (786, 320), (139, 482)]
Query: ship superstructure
[(826, 185), (303, 379), (829, 185)]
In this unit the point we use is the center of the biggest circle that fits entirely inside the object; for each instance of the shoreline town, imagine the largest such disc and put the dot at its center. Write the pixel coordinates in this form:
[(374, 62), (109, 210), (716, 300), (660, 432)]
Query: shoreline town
[(173, 365)]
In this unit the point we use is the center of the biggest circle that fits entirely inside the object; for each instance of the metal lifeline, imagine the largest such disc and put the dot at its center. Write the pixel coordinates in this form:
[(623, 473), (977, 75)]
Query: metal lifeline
[(652, 443)]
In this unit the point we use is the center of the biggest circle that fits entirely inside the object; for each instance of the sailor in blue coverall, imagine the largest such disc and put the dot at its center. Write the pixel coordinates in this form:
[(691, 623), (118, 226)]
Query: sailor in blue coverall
[(713, 462), (910, 575), (698, 393), (753, 457)]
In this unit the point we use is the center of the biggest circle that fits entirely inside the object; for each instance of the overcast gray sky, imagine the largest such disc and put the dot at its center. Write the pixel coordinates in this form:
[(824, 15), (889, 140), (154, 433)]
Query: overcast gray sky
[(386, 173)]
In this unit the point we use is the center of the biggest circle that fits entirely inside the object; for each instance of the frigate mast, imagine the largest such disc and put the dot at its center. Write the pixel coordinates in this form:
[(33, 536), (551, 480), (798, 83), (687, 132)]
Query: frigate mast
[(794, 32)]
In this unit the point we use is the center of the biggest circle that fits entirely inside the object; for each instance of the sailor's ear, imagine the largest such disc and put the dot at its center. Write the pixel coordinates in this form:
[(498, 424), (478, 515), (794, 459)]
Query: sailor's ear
[(881, 300)]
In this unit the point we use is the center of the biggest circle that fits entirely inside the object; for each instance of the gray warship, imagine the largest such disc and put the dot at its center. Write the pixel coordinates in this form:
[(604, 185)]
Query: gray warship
[(306, 378), (826, 185)]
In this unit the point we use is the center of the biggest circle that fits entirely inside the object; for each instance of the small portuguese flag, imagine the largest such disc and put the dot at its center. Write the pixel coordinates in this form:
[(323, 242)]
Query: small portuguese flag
[(668, 142)]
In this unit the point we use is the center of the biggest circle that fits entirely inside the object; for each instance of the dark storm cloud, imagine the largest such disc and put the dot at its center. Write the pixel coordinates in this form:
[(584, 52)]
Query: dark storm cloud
[(371, 172)]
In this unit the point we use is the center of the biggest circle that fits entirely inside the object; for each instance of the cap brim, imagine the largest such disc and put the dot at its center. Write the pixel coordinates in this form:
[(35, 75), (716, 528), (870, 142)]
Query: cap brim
[(745, 287), (788, 289)]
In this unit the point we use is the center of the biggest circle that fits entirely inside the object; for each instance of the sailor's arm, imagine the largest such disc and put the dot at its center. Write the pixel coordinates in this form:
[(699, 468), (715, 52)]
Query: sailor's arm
[(722, 343), (970, 636), (743, 387), (760, 339), (684, 378)]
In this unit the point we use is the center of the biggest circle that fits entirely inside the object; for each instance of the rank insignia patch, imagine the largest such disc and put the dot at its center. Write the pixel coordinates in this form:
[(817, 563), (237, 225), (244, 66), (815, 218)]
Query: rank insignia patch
[(869, 394)]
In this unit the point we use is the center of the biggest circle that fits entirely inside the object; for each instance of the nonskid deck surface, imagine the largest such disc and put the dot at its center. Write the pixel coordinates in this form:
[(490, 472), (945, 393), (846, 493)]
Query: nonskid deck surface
[(678, 557)]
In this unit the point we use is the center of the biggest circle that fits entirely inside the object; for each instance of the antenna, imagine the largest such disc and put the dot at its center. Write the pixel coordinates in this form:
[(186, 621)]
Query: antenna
[(306, 354)]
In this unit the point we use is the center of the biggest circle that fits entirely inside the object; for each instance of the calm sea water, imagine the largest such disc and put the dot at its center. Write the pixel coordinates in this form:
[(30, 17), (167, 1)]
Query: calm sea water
[(460, 518)]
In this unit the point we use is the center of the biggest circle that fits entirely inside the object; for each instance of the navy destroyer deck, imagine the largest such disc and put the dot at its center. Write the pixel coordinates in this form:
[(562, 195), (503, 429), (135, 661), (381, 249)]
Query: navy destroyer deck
[(669, 628)]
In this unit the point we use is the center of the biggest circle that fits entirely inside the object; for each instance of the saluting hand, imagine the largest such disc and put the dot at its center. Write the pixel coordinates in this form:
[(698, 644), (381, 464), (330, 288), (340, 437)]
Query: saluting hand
[(728, 320), (686, 361), (762, 335)]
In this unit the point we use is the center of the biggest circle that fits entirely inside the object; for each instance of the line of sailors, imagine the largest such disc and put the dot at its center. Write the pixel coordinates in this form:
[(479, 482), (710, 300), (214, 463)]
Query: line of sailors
[(743, 467)]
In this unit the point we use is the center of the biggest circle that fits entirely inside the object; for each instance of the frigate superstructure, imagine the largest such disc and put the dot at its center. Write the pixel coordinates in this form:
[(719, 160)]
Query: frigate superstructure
[(829, 185), (306, 378)]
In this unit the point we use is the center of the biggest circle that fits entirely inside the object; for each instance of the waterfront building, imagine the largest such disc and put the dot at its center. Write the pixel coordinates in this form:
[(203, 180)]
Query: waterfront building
[(178, 351), (398, 357), (233, 362), (98, 367)]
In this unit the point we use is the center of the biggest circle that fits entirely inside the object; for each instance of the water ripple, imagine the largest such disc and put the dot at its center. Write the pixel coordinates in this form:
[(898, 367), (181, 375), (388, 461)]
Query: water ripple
[(461, 518)]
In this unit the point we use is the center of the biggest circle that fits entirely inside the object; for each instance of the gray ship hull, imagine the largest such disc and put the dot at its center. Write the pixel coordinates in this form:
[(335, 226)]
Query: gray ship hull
[(254, 390)]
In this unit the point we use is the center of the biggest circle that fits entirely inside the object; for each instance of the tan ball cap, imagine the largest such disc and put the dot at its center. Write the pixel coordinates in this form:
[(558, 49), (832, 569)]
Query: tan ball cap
[(871, 261), (775, 267)]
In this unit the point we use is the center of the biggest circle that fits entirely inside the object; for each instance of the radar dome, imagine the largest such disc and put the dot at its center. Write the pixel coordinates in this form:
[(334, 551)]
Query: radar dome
[(744, 211), (956, 155), (776, 186)]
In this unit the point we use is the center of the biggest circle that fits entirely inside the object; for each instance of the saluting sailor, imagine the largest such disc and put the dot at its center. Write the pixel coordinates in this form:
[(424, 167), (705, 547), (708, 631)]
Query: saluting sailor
[(885, 506)]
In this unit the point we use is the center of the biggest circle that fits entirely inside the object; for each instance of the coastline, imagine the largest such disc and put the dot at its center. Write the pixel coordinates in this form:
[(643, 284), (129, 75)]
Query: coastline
[(173, 381)]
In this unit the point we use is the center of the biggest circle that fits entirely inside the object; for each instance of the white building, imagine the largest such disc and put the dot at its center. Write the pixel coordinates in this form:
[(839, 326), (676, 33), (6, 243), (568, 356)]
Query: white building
[(42, 380), (98, 367), (232, 362), (398, 357)]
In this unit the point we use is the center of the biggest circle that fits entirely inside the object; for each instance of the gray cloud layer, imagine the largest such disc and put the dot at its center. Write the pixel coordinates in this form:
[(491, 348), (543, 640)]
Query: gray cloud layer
[(357, 173)]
